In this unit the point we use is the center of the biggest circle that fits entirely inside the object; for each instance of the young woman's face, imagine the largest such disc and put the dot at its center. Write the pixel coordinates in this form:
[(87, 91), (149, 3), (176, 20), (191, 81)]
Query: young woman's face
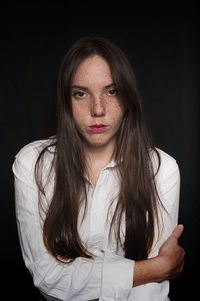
[(96, 107)]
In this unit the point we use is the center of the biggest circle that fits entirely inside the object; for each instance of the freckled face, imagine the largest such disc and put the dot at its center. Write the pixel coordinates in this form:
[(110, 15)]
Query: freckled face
[(96, 107)]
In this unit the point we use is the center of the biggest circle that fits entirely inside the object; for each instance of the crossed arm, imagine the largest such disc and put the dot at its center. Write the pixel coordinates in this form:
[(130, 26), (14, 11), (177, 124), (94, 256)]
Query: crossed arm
[(109, 276), (167, 265)]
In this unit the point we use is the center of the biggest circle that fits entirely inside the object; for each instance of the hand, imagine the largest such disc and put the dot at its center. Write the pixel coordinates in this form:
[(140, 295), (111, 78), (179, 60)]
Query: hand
[(167, 265), (172, 255)]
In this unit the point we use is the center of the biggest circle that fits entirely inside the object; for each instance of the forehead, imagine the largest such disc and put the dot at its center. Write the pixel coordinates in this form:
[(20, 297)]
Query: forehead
[(94, 70)]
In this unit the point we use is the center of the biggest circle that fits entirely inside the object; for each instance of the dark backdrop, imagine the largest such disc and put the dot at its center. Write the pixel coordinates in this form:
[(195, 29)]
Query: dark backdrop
[(163, 49)]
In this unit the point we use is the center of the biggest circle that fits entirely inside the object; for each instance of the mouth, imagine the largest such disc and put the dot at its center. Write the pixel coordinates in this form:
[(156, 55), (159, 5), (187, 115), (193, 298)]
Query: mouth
[(98, 128)]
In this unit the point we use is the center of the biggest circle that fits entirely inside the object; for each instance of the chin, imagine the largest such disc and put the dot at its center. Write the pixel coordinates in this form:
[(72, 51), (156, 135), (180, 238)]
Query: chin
[(99, 140), (96, 143)]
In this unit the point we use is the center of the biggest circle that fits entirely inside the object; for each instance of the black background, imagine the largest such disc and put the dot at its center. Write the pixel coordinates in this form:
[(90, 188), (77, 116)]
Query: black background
[(164, 52)]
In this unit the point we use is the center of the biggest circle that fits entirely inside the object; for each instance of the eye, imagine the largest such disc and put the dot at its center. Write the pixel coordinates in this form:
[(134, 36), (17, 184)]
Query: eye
[(78, 94), (113, 92)]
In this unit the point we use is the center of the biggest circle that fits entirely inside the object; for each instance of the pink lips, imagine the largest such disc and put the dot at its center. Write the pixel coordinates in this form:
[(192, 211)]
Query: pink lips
[(97, 128)]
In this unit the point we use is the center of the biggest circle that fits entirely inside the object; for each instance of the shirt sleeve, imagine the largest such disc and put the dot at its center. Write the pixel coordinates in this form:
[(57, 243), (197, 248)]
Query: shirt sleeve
[(84, 279), (168, 186)]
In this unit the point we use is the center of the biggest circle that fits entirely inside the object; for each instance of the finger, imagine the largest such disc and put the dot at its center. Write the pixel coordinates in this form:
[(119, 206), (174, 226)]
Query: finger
[(178, 231)]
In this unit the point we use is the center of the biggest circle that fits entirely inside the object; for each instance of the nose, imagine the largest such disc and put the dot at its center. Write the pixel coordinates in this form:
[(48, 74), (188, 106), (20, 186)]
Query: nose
[(97, 107)]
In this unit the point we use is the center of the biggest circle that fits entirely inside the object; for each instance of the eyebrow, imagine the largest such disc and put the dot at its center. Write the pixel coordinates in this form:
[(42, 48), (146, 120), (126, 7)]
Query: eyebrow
[(110, 86), (87, 89)]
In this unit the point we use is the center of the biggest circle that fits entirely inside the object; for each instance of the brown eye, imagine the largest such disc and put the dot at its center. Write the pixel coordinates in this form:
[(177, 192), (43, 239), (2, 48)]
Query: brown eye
[(113, 92), (78, 94)]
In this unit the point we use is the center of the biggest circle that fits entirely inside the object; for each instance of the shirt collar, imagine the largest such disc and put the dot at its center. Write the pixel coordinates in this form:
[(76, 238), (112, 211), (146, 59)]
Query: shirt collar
[(111, 164)]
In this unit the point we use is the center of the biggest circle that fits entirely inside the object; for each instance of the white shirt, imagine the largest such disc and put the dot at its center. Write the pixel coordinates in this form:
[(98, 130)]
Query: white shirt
[(109, 276)]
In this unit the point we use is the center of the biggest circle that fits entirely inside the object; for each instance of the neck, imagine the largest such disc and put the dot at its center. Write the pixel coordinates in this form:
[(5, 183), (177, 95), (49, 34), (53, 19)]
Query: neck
[(99, 153), (97, 158)]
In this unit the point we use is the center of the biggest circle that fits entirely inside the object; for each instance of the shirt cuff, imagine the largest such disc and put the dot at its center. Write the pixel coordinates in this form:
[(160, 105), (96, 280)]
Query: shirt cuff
[(117, 278)]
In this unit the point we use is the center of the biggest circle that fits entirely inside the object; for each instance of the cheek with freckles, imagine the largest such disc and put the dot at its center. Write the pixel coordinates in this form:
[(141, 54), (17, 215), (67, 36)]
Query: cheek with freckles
[(80, 113), (115, 112)]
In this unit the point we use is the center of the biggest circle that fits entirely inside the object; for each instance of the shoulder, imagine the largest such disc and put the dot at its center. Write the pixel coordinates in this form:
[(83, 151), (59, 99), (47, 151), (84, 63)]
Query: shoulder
[(26, 158), (30, 152), (163, 163), (167, 174)]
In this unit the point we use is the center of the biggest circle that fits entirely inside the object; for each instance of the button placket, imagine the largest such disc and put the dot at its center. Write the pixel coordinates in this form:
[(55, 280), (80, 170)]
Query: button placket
[(98, 207)]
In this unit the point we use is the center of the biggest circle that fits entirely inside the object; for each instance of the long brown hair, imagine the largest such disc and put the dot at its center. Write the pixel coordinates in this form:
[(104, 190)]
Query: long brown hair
[(137, 199)]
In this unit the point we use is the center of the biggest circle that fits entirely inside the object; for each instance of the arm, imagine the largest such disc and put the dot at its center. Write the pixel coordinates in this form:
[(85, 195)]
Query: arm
[(167, 257), (49, 276), (83, 279), (167, 265)]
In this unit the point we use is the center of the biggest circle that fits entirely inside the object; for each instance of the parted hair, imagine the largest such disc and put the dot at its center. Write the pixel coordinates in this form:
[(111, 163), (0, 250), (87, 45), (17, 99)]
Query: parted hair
[(137, 200)]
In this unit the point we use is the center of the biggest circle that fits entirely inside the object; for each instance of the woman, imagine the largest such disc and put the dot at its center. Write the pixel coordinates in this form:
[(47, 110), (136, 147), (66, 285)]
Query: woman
[(96, 204)]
